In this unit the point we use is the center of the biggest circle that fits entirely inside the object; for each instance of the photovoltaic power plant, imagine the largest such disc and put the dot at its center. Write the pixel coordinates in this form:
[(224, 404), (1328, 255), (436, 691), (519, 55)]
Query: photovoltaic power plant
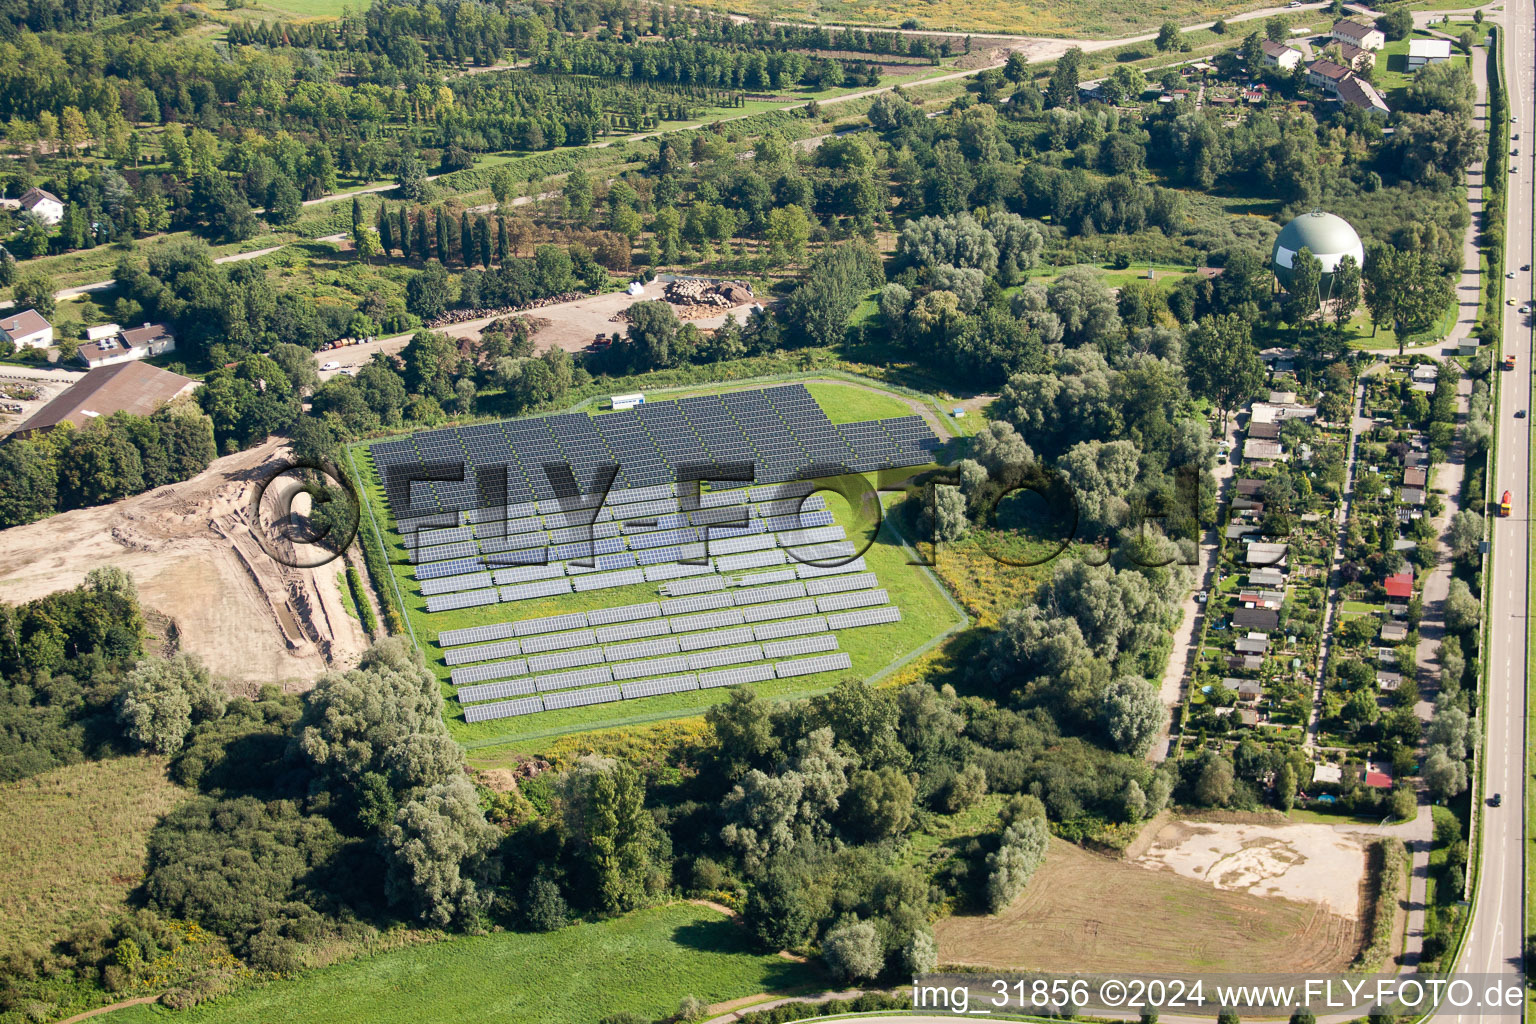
[(749, 580), (781, 431)]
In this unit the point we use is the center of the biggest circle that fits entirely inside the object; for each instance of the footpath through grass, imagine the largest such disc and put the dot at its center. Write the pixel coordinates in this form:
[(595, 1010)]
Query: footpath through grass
[(643, 964)]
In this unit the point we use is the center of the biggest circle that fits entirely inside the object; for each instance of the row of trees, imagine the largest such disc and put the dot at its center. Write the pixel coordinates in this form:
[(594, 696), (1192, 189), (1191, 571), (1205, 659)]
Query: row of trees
[(108, 459)]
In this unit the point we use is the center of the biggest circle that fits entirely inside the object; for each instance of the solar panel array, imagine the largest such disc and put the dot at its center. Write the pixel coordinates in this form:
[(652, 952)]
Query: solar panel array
[(800, 645), (810, 666), (781, 430), (506, 532), (855, 599)]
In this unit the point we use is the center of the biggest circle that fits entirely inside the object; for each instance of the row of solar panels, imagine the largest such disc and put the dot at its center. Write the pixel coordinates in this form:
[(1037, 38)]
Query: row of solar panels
[(678, 562), (760, 605), (657, 687), (610, 520), (621, 504), (569, 542), (821, 528), (622, 613), (694, 662), (615, 647), (545, 563)]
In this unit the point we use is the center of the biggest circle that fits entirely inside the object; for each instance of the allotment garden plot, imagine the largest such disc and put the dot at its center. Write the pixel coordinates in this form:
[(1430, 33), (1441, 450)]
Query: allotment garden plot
[(547, 605)]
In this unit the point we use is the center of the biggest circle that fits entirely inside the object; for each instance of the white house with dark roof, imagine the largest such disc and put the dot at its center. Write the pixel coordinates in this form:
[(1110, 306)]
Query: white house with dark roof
[(43, 205), (27, 329), (1357, 57), (1358, 33), (135, 343), (1278, 55), (1326, 75)]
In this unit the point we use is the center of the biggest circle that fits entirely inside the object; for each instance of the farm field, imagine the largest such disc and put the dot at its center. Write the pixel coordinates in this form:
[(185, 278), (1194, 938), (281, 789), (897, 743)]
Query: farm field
[(101, 812), (1086, 912), (926, 614), (643, 964)]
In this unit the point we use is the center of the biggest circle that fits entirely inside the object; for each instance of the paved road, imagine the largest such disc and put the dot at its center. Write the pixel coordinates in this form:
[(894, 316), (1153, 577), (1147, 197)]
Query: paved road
[(1494, 945)]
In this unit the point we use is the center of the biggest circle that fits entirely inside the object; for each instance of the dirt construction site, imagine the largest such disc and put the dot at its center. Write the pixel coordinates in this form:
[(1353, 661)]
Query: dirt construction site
[(1188, 895), (569, 325), (191, 551)]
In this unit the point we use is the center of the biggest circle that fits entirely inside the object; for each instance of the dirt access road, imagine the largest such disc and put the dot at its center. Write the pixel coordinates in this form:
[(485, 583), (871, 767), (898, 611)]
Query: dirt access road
[(194, 560)]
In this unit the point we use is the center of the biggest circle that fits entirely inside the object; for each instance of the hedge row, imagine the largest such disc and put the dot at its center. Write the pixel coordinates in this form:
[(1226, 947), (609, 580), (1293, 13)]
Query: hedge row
[(869, 1002), (1388, 859), (378, 571), (360, 598), (1495, 194)]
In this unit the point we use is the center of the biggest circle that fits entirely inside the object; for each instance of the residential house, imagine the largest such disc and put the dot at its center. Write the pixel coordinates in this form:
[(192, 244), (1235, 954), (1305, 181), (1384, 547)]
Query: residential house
[(135, 343), (1394, 631), (1265, 554), (1262, 452), (1253, 643), (1417, 476), (1248, 505), (1248, 717), (1261, 598), (1400, 586), (1357, 57), (1266, 578), (1270, 412), (1278, 55), (1422, 52), (1245, 662), (43, 205), (1326, 75), (1388, 682), (1425, 373), (1237, 531), (127, 387), (1376, 775), (1357, 33), (1264, 431), (1328, 773), (1247, 486), (1411, 495), (26, 329), (1248, 691), (1362, 95), (1265, 619)]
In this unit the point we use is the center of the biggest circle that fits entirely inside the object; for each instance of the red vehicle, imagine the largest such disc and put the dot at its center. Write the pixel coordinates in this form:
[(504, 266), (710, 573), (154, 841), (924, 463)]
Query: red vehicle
[(1509, 361), (1504, 505)]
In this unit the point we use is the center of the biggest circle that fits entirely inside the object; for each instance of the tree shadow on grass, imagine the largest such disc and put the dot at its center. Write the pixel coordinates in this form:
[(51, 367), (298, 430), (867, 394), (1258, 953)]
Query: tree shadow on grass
[(729, 937)]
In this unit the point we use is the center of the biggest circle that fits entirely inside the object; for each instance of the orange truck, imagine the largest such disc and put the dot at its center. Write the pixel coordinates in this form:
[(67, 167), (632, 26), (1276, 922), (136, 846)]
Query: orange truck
[(1504, 504), (1509, 361)]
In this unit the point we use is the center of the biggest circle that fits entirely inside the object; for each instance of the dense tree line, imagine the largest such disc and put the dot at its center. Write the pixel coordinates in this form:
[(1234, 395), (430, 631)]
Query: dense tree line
[(109, 459), (63, 658)]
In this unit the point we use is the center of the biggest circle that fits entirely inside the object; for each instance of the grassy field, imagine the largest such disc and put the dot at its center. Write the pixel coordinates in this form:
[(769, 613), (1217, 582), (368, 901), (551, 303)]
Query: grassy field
[(1088, 912), (1391, 75), (849, 403), (298, 9), (1086, 18), (101, 812), (643, 963), (926, 614)]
